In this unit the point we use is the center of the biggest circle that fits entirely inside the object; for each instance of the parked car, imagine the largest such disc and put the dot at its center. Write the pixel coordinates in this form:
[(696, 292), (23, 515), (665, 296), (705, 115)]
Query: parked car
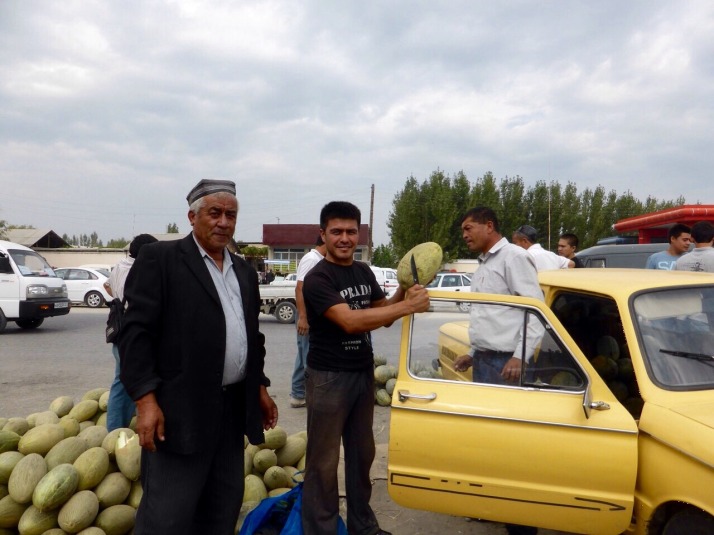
[(85, 285), (456, 282), (620, 255), (608, 430)]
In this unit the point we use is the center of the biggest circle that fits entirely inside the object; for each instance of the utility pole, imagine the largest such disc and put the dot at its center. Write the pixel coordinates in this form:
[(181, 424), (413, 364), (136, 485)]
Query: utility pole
[(371, 223)]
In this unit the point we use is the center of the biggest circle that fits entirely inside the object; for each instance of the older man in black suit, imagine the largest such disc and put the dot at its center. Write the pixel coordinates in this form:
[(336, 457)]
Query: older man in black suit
[(192, 358)]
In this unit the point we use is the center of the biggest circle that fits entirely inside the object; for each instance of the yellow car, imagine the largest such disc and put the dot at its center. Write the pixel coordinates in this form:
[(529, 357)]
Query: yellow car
[(609, 429)]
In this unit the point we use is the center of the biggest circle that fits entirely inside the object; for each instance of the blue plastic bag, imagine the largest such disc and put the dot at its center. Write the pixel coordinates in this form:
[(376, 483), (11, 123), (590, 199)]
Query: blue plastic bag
[(280, 515)]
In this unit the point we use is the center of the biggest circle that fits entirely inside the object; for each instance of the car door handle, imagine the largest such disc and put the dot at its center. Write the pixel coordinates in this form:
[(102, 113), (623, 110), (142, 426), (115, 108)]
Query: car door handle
[(599, 406), (404, 395)]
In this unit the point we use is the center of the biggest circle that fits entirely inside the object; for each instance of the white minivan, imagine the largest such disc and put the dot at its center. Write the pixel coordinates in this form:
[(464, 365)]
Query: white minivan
[(386, 278), (30, 291)]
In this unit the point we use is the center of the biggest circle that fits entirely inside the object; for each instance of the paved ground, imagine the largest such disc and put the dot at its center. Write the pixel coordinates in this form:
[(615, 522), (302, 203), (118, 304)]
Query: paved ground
[(68, 356)]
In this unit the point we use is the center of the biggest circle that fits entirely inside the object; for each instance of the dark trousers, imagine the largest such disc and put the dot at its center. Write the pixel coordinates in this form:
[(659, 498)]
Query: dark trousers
[(340, 406), (200, 492), (488, 365)]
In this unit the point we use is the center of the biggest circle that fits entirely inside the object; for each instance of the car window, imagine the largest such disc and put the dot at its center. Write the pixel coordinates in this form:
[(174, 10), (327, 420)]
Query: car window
[(441, 336), (451, 281), (79, 274), (435, 283), (676, 329)]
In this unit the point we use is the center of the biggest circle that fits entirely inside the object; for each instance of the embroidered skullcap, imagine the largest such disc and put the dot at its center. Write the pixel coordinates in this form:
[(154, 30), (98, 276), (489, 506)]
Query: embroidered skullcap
[(529, 232), (209, 187)]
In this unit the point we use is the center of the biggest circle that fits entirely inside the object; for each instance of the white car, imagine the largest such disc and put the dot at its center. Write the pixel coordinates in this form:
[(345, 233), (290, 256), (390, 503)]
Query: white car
[(455, 282), (85, 285)]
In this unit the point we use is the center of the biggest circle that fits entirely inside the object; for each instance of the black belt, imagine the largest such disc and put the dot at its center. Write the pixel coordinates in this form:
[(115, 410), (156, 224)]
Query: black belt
[(479, 353)]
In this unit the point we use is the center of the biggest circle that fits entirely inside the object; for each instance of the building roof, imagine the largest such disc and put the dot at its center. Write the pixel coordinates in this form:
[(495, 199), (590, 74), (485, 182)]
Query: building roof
[(277, 235), (35, 237), (687, 214)]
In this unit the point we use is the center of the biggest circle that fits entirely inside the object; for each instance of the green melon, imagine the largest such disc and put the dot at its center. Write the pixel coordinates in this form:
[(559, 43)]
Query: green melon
[(36, 522), (10, 512), (277, 492), (564, 378), (383, 399), (41, 439), (79, 512), (62, 405), (94, 435), (112, 490), (379, 360), (247, 462), (24, 478), (302, 463), (389, 387), (101, 419), (92, 466), (104, 401), (110, 441), (92, 530), (65, 451), (70, 426), (382, 374), (17, 425), (116, 520), (274, 438), (264, 459), (135, 494), (94, 394), (55, 488), (8, 441), (290, 454), (84, 425), (275, 477), (295, 476), (427, 256), (8, 461), (606, 345), (3, 491), (46, 417), (128, 456), (254, 490), (605, 367), (84, 410)]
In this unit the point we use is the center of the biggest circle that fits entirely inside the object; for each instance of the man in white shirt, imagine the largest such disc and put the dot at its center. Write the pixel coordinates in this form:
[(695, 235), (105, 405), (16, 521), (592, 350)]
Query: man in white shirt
[(526, 236), (307, 262), (702, 256), (506, 269)]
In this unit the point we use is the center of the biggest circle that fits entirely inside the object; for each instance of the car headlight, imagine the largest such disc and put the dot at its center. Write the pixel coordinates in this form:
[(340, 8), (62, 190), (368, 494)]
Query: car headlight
[(37, 290), (64, 291)]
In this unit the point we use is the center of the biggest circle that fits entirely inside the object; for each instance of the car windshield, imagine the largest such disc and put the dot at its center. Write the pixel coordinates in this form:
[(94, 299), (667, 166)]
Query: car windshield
[(30, 264), (676, 329)]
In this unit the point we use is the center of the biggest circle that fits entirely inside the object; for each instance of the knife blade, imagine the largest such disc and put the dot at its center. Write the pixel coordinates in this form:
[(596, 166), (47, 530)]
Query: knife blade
[(415, 273)]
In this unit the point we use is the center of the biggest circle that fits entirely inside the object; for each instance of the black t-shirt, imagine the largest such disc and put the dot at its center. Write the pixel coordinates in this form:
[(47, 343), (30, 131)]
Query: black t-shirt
[(327, 285)]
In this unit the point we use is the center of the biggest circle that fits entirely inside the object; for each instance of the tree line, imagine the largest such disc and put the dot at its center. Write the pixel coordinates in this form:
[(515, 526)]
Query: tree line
[(432, 211)]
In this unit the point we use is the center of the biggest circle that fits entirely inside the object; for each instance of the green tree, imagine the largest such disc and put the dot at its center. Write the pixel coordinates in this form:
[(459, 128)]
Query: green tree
[(172, 228), (384, 256), (3, 228), (117, 243)]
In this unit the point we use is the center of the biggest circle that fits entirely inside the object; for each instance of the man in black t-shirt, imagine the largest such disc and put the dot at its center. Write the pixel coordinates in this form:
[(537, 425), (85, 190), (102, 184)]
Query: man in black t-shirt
[(344, 303)]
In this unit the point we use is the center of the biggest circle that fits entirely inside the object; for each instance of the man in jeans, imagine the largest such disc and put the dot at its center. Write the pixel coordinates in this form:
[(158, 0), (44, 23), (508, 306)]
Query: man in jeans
[(307, 262), (344, 303), (121, 408), (497, 335)]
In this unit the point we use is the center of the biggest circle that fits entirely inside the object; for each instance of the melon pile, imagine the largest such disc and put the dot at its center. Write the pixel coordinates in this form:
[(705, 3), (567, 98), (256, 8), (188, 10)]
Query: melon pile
[(385, 377), (61, 472)]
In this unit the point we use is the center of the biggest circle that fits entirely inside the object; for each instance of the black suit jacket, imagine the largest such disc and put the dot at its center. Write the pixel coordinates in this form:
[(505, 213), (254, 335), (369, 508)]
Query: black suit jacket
[(173, 342)]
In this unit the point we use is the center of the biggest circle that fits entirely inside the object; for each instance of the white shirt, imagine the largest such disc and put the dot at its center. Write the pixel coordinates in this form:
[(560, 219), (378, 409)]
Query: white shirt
[(545, 260), (699, 259), (308, 262), (228, 288), (505, 269), (117, 277)]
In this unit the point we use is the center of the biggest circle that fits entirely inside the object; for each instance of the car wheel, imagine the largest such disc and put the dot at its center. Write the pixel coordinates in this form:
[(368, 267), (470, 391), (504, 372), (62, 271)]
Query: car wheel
[(93, 300), (31, 323), (689, 522), (3, 321), (464, 307), (285, 312)]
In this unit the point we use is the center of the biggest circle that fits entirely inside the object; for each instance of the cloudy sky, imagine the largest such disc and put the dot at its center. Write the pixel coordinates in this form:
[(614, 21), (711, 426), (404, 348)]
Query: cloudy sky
[(111, 111)]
